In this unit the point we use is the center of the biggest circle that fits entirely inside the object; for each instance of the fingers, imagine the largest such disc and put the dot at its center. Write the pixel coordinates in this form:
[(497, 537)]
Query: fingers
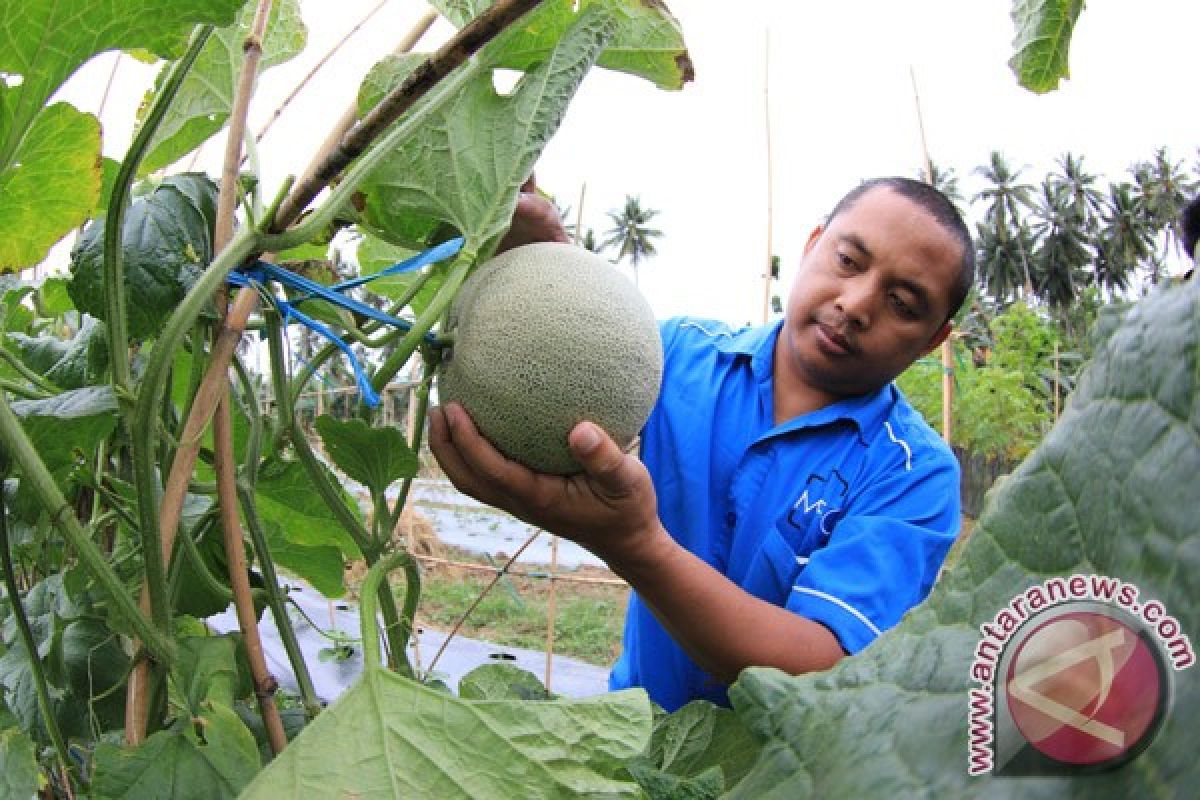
[(470, 462), (612, 470)]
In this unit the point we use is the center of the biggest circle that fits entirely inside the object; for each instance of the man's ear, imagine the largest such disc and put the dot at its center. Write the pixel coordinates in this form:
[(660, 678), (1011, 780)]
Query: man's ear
[(813, 237), (938, 337)]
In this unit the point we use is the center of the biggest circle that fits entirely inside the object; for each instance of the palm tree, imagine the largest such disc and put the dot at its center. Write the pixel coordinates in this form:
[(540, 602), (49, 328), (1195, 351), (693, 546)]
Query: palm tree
[(1083, 200), (1001, 262), (1063, 250), (1163, 189), (1007, 200), (1126, 239), (945, 181), (629, 233)]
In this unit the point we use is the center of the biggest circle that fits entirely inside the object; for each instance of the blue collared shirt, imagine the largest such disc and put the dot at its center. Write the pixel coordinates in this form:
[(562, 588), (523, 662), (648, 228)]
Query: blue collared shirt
[(843, 515)]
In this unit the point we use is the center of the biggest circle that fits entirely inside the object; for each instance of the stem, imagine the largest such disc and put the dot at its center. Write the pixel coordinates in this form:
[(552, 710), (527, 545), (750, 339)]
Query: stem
[(114, 224), (312, 466), (25, 372), (278, 604), (432, 314), (452, 54), (421, 412), (375, 587), (37, 478), (22, 391), (35, 663)]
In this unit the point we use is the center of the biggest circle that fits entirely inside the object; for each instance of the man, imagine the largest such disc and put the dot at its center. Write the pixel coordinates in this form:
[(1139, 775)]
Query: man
[(788, 504)]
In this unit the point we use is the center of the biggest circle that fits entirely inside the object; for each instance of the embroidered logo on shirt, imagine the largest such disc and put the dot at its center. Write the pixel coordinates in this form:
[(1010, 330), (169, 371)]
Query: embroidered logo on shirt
[(823, 497)]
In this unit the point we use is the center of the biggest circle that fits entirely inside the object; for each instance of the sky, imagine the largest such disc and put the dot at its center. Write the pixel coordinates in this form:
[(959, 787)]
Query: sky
[(835, 81)]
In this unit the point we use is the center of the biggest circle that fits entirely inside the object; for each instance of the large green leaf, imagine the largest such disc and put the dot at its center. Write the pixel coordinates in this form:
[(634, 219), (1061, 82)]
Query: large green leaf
[(322, 565), (284, 495), (211, 756), (64, 429), (50, 157), (1043, 41), (205, 99), (18, 760), (648, 42), (1111, 491), (50, 184), (389, 737), (85, 359), (375, 457), (209, 752), (166, 243), (464, 165)]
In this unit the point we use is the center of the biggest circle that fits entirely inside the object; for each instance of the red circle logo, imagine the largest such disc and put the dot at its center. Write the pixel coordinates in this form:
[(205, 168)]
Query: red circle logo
[(1086, 688)]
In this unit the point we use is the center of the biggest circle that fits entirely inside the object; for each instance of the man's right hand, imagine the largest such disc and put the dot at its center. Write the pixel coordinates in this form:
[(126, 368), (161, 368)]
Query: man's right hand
[(535, 219)]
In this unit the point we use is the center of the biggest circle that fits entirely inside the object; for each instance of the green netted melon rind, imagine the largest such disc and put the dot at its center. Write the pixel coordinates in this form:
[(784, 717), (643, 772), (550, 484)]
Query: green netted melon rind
[(547, 335)]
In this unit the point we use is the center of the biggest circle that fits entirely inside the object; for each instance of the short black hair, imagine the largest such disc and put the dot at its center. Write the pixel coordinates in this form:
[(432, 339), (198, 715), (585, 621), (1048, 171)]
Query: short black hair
[(1189, 223), (941, 209)]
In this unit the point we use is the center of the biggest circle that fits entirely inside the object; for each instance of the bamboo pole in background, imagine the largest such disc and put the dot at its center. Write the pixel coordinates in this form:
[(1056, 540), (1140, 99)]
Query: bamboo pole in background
[(766, 307)]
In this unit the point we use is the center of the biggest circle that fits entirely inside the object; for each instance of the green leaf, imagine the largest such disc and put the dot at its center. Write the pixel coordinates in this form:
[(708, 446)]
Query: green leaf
[(390, 737), (18, 760), (166, 244), (501, 682), (212, 756), (695, 740), (204, 672), (465, 164), (50, 157), (1043, 41), (205, 99), (1111, 491), (375, 457), (65, 428), (50, 184), (648, 42), (86, 358), (321, 565), (94, 666), (284, 495), (52, 296)]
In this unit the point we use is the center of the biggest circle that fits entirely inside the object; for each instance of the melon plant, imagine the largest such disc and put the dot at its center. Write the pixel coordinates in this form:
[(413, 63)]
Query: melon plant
[(545, 336)]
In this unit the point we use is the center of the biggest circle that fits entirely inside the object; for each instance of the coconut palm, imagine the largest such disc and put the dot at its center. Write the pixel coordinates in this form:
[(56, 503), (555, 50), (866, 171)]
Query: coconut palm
[(1162, 189), (1083, 200), (945, 181), (1126, 239), (1063, 249), (1001, 261), (1007, 233), (629, 234)]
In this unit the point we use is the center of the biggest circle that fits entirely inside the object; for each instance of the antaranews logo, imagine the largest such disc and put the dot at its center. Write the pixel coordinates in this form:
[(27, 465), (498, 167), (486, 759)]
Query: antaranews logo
[(1074, 677)]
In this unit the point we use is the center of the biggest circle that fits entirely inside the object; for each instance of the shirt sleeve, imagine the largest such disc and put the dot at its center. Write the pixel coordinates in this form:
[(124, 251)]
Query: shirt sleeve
[(884, 554)]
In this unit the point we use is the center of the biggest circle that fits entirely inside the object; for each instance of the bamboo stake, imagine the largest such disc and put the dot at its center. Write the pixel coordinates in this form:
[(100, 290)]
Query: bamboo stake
[(473, 36), (770, 205), (265, 684), (551, 610), (278, 112), (947, 345)]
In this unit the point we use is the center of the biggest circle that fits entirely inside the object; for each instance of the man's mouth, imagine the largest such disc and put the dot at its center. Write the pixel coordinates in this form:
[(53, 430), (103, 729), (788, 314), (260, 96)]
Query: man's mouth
[(833, 342)]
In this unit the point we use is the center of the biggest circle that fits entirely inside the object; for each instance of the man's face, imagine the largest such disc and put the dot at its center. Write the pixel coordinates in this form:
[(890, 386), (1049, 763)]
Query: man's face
[(871, 297)]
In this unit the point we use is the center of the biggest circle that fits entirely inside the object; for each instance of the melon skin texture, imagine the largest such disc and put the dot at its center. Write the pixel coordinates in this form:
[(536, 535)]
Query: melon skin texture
[(545, 336)]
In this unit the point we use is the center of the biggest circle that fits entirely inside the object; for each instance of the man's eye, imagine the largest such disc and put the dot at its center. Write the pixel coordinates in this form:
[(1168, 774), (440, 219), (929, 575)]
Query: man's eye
[(846, 262), (903, 308)]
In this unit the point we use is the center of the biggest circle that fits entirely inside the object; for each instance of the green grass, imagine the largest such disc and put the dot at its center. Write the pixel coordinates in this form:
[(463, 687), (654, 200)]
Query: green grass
[(588, 618)]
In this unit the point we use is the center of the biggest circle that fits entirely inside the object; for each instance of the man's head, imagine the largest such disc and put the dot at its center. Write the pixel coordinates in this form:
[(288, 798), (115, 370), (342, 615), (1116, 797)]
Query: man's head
[(877, 287)]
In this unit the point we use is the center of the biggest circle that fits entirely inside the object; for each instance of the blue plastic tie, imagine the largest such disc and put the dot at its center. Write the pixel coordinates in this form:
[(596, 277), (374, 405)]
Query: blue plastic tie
[(263, 271)]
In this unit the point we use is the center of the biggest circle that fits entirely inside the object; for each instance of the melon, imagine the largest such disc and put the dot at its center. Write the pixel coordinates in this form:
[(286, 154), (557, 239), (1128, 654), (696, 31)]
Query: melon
[(545, 336)]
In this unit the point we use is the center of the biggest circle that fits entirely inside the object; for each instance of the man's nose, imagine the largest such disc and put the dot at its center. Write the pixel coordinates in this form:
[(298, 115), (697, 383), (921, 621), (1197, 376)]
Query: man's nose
[(856, 300)]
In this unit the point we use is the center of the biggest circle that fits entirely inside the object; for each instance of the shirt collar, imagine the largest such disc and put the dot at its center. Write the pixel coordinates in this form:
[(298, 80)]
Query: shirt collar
[(866, 411)]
